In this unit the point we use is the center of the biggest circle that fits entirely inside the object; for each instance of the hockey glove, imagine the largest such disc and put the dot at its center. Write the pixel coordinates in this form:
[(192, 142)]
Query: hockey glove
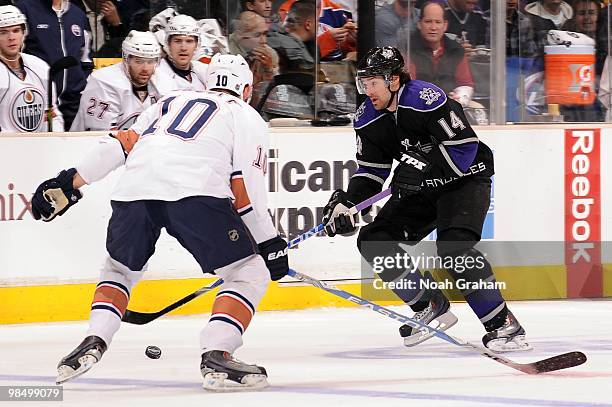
[(408, 175), (336, 216), (54, 196), (274, 253)]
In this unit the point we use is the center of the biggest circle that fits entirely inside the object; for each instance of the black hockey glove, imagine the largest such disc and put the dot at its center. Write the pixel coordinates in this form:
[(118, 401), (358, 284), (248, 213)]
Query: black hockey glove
[(274, 253), (409, 174), (54, 196), (336, 216)]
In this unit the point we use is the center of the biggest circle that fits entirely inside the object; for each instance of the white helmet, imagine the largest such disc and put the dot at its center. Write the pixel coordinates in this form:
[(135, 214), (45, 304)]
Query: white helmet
[(140, 44), (230, 72), (182, 25), (160, 20), (11, 15)]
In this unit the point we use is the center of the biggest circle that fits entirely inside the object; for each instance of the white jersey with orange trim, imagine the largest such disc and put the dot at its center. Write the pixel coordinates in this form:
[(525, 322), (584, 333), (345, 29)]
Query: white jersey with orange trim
[(23, 103), (168, 81), (200, 144), (109, 102)]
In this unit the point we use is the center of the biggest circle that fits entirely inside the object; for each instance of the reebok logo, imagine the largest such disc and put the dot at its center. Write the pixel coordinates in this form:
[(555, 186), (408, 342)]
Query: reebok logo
[(583, 213)]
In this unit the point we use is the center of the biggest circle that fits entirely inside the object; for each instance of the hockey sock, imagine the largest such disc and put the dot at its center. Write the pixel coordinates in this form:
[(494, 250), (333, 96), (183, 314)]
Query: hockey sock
[(111, 299), (478, 280), (245, 284)]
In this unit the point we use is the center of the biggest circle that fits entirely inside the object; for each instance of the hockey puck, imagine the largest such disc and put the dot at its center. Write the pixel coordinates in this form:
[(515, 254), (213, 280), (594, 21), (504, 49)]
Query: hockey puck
[(153, 352)]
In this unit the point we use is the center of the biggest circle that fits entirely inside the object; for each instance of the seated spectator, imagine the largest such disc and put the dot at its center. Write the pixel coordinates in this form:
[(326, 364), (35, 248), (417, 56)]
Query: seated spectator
[(605, 88), (261, 7), (437, 59), (337, 33), (584, 20), (554, 10), (250, 41), (467, 22), (51, 38), (393, 17), (116, 95), (23, 81), (604, 28), (108, 26), (296, 45), (520, 34)]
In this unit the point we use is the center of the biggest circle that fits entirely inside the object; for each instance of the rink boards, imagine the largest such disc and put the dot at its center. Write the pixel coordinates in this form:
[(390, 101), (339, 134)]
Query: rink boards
[(551, 185)]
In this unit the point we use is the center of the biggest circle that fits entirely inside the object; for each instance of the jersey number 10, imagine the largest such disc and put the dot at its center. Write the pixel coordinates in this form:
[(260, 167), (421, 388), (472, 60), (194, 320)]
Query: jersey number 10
[(193, 125)]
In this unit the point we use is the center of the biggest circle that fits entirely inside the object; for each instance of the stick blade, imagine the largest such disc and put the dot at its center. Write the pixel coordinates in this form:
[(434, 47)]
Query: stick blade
[(564, 361), (138, 318), (63, 63)]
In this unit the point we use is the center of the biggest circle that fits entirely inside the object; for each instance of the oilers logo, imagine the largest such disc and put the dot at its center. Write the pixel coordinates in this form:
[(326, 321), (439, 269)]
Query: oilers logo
[(27, 109)]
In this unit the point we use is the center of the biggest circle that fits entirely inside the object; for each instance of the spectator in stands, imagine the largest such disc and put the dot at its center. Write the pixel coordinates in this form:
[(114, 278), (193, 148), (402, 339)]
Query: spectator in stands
[(557, 11), (261, 7), (300, 24), (108, 28), (337, 33), (57, 28), (584, 20), (392, 18), (520, 34), (605, 88), (467, 22), (436, 58), (250, 41)]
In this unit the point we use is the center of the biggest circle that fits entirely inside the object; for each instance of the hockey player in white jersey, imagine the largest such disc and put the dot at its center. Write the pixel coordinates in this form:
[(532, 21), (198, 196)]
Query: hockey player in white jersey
[(117, 94), (194, 164), (23, 80), (180, 70)]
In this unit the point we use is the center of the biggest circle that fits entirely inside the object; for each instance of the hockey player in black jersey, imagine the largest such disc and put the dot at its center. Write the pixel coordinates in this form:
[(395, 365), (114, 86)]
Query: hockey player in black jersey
[(442, 181)]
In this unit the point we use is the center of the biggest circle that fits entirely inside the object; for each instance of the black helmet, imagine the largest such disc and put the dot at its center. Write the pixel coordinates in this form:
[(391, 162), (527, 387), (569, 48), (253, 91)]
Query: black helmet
[(381, 61)]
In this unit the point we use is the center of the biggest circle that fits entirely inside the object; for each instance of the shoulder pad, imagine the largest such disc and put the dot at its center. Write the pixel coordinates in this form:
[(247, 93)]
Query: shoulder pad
[(113, 77), (421, 96), (366, 114)]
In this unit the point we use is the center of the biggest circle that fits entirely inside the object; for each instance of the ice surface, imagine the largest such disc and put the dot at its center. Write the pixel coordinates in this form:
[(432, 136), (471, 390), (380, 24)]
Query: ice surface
[(327, 357)]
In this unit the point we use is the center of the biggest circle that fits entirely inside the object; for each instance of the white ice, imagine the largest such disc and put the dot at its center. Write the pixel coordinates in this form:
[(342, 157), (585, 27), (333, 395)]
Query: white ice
[(329, 357)]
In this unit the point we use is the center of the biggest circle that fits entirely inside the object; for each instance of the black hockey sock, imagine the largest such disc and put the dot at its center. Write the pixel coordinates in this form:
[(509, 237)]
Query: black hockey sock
[(497, 321)]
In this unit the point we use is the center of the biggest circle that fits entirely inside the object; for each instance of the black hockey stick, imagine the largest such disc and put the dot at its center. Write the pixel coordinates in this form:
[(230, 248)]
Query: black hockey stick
[(141, 318), (59, 65), (558, 362)]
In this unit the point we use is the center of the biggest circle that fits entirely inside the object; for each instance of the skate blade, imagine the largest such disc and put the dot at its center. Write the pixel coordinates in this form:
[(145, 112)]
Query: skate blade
[(444, 322), (65, 373), (517, 344), (218, 382)]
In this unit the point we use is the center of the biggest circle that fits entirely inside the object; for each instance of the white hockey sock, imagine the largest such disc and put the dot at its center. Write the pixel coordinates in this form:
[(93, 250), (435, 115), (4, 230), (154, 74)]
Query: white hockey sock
[(111, 299), (245, 283)]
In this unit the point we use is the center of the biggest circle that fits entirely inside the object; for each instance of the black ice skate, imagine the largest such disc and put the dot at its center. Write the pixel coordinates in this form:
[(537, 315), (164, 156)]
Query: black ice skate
[(222, 372), (81, 359), (437, 311), (509, 337)]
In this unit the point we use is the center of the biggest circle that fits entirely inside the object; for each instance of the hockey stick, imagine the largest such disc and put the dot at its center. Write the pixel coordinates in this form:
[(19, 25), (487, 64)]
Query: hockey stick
[(59, 65), (141, 318), (558, 362)]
